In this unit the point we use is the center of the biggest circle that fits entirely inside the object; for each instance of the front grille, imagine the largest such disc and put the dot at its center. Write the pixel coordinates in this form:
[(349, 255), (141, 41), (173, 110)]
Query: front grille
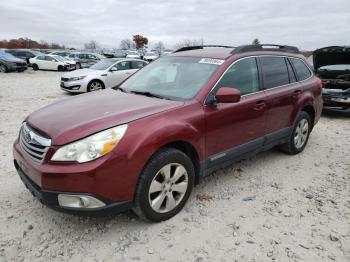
[(32, 143), (21, 64)]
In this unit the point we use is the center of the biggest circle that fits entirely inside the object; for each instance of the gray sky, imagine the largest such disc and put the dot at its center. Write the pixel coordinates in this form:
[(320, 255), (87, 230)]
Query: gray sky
[(308, 24)]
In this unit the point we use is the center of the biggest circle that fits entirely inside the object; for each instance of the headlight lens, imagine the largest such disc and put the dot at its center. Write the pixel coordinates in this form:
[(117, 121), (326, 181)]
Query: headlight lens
[(92, 147), (76, 78)]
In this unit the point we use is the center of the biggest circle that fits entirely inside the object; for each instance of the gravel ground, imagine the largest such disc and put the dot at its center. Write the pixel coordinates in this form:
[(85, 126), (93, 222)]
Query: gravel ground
[(271, 207)]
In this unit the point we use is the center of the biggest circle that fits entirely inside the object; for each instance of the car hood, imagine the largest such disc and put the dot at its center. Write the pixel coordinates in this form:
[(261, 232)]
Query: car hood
[(77, 117), (332, 55), (80, 72)]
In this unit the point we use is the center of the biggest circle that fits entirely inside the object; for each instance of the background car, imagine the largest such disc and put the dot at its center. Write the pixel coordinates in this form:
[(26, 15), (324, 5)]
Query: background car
[(150, 56), (167, 52), (104, 74), (84, 60), (133, 54), (64, 54), (51, 62), (24, 54), (332, 65), (10, 63)]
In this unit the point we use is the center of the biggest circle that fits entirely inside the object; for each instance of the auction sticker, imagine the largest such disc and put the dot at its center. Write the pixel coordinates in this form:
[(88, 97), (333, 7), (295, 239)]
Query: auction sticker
[(211, 61)]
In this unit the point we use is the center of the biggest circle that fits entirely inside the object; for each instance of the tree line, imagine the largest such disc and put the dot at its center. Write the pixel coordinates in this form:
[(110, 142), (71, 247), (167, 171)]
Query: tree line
[(28, 43)]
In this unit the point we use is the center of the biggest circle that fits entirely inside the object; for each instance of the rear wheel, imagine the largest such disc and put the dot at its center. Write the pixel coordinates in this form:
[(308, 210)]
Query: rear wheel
[(164, 186), (3, 69), (35, 67), (300, 135), (60, 68), (77, 66)]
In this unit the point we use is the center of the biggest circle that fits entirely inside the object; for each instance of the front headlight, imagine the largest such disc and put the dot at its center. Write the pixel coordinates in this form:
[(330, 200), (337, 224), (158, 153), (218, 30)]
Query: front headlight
[(92, 147), (76, 78)]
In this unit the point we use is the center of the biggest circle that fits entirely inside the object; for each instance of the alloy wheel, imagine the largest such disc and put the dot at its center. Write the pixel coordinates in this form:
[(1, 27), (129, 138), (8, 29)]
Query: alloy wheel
[(168, 188), (2, 69), (301, 133), (95, 86)]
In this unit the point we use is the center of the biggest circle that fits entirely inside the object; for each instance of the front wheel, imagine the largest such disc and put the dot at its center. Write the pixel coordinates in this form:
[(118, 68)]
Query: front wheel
[(164, 185), (300, 135), (3, 69), (95, 85), (35, 67), (77, 66)]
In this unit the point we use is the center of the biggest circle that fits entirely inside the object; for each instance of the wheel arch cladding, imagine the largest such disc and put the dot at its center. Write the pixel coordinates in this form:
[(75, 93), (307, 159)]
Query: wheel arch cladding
[(311, 111)]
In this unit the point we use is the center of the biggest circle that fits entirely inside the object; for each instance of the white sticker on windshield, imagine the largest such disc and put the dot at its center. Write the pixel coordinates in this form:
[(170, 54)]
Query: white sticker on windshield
[(211, 61)]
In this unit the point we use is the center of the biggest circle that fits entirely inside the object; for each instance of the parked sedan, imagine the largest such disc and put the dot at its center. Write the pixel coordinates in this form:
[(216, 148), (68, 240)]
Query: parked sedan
[(133, 54), (10, 63), (104, 74), (150, 56), (64, 54), (84, 60), (51, 62)]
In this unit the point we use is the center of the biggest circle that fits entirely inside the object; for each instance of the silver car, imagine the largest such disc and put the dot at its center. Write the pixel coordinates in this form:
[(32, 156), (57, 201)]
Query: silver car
[(105, 74)]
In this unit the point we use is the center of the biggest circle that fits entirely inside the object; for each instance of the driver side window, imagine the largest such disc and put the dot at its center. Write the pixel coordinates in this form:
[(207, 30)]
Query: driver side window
[(124, 65), (242, 75)]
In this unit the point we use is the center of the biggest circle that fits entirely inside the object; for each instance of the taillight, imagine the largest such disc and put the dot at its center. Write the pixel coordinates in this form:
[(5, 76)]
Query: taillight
[(320, 83)]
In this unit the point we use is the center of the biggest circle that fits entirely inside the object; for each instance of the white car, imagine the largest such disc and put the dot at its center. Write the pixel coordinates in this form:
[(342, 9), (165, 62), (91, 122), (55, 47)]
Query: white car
[(150, 56), (104, 74), (133, 54), (51, 62)]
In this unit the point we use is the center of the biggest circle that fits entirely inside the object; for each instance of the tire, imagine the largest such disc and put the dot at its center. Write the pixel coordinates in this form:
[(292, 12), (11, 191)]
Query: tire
[(60, 68), (165, 188), (77, 66), (299, 136), (95, 85), (3, 69), (35, 67)]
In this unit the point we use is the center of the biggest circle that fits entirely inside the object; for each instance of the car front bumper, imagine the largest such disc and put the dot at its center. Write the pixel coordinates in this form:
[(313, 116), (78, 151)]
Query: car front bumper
[(50, 199), (18, 67), (79, 86), (336, 100)]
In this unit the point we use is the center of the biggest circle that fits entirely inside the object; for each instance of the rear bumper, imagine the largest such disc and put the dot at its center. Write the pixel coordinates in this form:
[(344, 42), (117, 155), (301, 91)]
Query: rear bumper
[(50, 199)]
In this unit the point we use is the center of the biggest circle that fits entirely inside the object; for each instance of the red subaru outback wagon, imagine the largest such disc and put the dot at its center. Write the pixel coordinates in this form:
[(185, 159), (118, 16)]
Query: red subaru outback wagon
[(144, 144)]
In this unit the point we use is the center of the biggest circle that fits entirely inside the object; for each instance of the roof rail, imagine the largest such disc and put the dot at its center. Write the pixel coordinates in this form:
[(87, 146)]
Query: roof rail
[(265, 47), (188, 48)]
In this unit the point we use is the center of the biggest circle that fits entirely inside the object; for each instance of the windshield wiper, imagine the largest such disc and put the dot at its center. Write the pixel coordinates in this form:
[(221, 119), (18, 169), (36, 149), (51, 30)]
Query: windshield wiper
[(147, 93), (121, 89)]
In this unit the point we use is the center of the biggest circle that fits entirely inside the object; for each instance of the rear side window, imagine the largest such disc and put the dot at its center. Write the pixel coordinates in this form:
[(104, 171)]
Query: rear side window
[(242, 75), (275, 71), (292, 78), (301, 69)]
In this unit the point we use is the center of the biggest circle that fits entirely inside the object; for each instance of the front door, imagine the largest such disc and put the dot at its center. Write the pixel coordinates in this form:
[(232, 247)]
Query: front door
[(123, 70), (234, 129)]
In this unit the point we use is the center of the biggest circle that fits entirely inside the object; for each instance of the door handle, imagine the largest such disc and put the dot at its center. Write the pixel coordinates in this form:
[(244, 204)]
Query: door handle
[(296, 93), (259, 105)]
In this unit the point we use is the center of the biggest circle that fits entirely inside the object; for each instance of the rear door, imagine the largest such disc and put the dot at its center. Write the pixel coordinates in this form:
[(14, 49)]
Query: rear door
[(234, 129), (282, 92)]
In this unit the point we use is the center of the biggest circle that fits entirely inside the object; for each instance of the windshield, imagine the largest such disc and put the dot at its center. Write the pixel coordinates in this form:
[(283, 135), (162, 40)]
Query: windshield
[(103, 64), (178, 78), (5, 54)]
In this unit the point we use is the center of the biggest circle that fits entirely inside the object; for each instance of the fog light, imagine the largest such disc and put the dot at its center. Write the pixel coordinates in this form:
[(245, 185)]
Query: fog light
[(79, 201)]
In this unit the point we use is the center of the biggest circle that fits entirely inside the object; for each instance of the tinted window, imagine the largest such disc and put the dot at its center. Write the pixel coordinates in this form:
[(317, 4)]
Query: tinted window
[(41, 58), (292, 78), (49, 58), (275, 71), (242, 75), (125, 65), (137, 64), (301, 69)]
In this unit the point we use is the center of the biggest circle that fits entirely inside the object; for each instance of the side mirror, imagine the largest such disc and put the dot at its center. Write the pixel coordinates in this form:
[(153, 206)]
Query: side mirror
[(228, 95), (113, 69)]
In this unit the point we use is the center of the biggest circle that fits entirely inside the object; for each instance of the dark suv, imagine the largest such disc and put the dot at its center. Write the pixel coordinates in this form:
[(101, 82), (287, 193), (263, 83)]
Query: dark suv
[(24, 54), (149, 140)]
